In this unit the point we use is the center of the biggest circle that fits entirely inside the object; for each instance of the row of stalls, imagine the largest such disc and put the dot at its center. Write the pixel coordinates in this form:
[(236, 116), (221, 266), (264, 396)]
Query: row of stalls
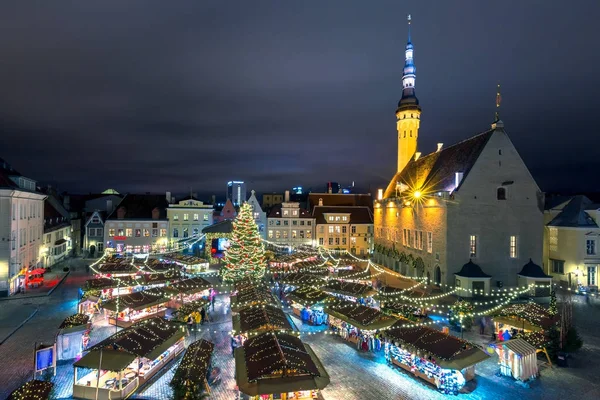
[(118, 365), (73, 337), (271, 362), (189, 264), (195, 367)]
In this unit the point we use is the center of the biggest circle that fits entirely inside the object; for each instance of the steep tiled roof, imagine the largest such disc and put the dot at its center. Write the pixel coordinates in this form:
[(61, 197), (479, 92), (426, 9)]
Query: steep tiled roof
[(276, 212), (437, 171), (472, 270), (337, 199), (140, 206), (532, 270), (574, 215), (358, 215)]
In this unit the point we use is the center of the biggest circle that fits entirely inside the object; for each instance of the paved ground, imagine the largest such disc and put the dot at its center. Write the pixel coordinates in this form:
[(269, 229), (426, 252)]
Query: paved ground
[(354, 375)]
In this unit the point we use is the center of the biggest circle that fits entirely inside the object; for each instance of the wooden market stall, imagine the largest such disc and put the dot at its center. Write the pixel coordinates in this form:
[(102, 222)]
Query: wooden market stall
[(307, 304), (350, 291), (73, 336), (190, 264), (187, 290), (251, 296), (444, 361), (297, 279), (127, 359), (255, 320), (191, 376), (128, 309), (518, 359), (278, 364)]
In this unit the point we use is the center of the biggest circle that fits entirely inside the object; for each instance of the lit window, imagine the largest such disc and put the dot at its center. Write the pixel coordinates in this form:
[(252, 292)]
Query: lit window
[(330, 228), (293, 234), (353, 229), (331, 218), (205, 217), (138, 233), (176, 217), (146, 232), (129, 232), (590, 247), (277, 234), (429, 242), (186, 217), (270, 234), (286, 212), (344, 218), (337, 229), (163, 232), (285, 234), (120, 232), (308, 234), (472, 246), (513, 247), (196, 217)]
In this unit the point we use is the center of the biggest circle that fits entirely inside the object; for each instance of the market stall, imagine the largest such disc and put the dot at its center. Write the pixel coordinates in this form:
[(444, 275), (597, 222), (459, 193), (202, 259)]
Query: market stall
[(190, 264), (128, 309), (351, 291), (307, 304), (90, 304), (409, 311), (358, 324), (112, 287), (194, 368), (187, 291), (73, 336), (278, 366), (117, 366), (252, 296), (442, 360), (254, 320), (297, 279), (518, 359)]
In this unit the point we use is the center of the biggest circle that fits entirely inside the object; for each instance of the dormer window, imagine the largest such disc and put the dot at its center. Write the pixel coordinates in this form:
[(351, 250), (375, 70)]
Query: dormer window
[(501, 193)]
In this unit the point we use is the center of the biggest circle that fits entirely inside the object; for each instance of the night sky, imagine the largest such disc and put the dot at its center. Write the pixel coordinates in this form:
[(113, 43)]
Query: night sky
[(155, 95)]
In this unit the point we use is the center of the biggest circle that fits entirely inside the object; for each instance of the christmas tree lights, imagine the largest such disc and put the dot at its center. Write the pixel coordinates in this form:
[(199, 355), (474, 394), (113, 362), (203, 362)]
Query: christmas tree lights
[(246, 254)]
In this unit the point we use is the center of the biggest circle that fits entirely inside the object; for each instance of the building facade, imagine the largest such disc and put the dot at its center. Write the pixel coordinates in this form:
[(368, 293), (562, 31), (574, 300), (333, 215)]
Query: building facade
[(344, 228), (571, 240), (228, 212), (271, 199), (57, 244), (188, 217), (236, 192), (138, 225), (21, 228), (475, 200), (289, 225), (260, 217)]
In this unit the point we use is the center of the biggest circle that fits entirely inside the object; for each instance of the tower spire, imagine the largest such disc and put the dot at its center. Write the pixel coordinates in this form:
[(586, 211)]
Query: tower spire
[(409, 19), (498, 100), (408, 74)]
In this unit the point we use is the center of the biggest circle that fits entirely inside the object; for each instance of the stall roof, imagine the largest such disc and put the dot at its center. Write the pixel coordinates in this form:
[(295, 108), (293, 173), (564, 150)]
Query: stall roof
[(189, 286), (148, 339), (110, 283), (32, 390), (308, 296), (194, 365), (116, 268), (251, 296), (161, 277), (135, 301), (362, 317), (349, 288), (518, 346), (75, 322), (301, 278), (529, 316), (252, 319), (244, 284), (448, 351)]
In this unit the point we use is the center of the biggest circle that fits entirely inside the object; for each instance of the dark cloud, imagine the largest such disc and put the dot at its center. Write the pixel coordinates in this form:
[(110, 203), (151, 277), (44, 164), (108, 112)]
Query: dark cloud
[(150, 96)]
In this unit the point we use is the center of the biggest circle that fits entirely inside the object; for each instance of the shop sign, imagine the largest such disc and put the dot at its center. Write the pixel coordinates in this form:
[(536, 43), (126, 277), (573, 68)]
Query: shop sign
[(120, 237), (45, 357)]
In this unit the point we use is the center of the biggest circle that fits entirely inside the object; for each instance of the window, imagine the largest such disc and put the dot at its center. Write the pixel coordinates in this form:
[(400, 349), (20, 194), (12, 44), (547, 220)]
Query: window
[(295, 212), (557, 266), (285, 234), (344, 241), (175, 232), (353, 229), (14, 211), (420, 240), (330, 241), (337, 240), (429, 242), (344, 229), (175, 217), (120, 232), (301, 234), (205, 217), (308, 223), (95, 219), (270, 234), (553, 238), (163, 232), (129, 232), (195, 232), (404, 238), (111, 232), (501, 193), (294, 234), (277, 222), (590, 247), (472, 246), (294, 223), (337, 229), (138, 233), (308, 234), (286, 213), (92, 232), (146, 232), (513, 247), (331, 219), (320, 241), (185, 232), (196, 217), (186, 217), (345, 218), (353, 241), (154, 232), (99, 232), (330, 228), (100, 246), (409, 238), (337, 219), (277, 234)]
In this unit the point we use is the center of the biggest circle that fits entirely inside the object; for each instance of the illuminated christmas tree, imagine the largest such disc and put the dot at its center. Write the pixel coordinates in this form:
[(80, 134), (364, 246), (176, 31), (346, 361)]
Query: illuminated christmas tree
[(552, 309), (246, 254)]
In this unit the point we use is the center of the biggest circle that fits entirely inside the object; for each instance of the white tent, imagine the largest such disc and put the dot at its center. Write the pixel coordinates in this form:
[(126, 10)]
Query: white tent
[(518, 359)]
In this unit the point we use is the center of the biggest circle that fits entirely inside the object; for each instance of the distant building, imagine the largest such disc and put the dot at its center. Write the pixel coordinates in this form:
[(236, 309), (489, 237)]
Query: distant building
[(297, 190), (57, 230), (271, 199), (340, 199), (138, 225), (188, 217), (344, 228), (228, 212), (571, 240), (333, 187), (236, 192), (288, 224), (260, 217), (21, 228)]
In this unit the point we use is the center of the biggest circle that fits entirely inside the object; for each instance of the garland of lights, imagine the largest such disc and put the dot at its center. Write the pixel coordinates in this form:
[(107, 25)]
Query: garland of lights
[(33, 390), (192, 368)]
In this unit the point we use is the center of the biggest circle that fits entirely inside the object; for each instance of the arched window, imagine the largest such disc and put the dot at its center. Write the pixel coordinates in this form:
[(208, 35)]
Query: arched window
[(404, 133), (501, 193)]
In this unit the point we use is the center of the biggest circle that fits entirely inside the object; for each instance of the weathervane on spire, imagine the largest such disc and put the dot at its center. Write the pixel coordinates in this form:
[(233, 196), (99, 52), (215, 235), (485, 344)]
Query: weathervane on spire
[(409, 19), (498, 100)]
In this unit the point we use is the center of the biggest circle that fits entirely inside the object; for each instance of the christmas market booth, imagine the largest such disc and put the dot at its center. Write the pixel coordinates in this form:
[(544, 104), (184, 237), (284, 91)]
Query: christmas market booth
[(120, 268), (412, 312), (217, 238), (533, 276), (112, 287), (350, 291), (518, 359), (182, 313), (90, 303), (444, 361), (187, 290), (351, 270), (252, 321), (251, 296), (297, 279), (278, 366), (307, 304), (117, 366), (190, 264), (193, 374), (291, 262), (128, 309), (32, 390), (73, 336), (358, 324)]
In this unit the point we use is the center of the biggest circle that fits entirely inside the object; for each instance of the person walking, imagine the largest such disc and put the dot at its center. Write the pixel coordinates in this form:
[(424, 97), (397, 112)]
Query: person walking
[(203, 315), (482, 326), (212, 301), (190, 324)]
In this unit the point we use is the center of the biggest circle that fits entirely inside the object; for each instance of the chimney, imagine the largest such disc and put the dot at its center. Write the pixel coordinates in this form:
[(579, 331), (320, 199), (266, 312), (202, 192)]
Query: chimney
[(168, 196), (379, 194), (287, 196), (329, 188), (155, 213), (121, 213), (417, 155), (321, 201), (67, 202), (440, 145), (109, 206)]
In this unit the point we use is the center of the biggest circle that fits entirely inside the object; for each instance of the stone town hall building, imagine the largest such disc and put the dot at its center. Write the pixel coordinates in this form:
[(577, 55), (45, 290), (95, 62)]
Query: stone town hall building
[(472, 201)]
